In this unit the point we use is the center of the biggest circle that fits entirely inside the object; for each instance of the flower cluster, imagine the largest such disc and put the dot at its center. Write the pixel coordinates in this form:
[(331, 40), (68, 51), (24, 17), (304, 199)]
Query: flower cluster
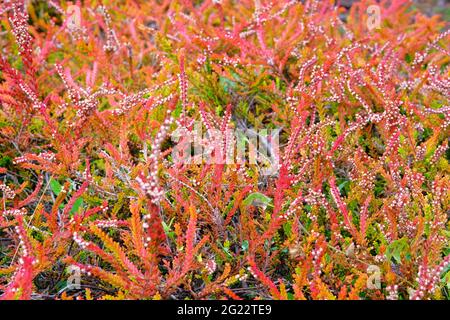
[(7, 191)]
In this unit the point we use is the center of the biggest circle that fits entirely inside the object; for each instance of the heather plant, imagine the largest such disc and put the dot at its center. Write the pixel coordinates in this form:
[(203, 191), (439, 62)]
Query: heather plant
[(98, 100)]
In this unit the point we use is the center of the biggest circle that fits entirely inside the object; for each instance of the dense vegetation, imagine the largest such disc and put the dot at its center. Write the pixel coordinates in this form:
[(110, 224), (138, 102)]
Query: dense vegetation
[(91, 93)]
